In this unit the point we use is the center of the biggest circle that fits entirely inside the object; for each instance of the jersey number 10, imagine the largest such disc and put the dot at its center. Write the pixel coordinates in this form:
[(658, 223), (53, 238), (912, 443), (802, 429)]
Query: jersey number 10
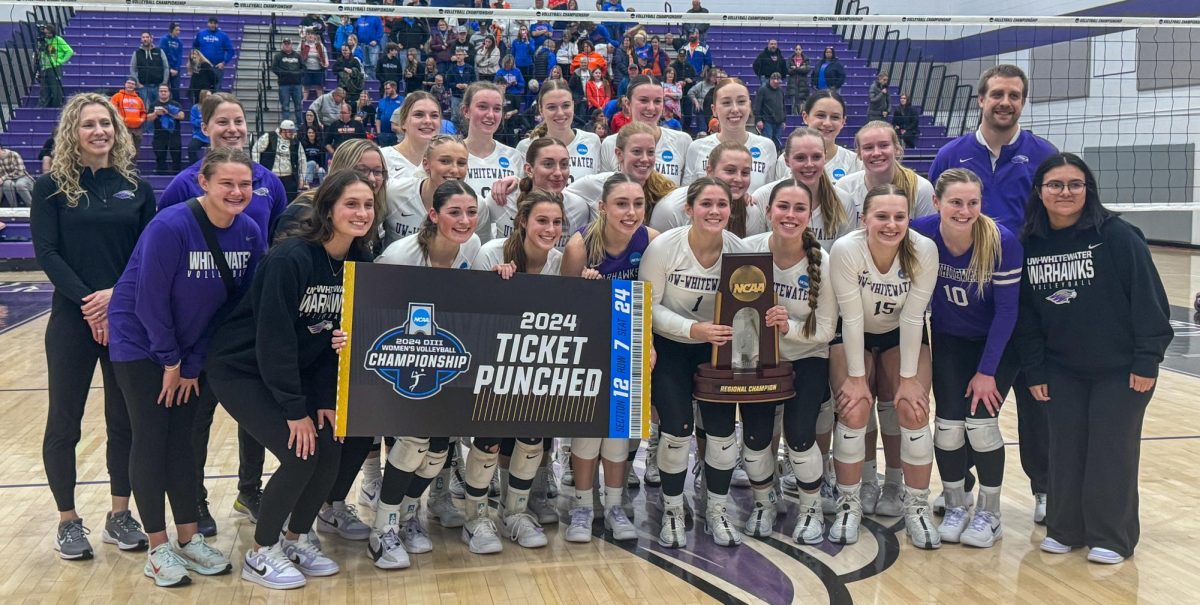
[(956, 295)]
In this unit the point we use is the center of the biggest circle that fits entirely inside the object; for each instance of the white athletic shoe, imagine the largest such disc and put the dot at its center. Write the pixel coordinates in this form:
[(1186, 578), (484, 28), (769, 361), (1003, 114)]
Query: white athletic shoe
[(631, 479), (580, 529), (414, 537), (270, 568), (869, 494), (166, 567), (440, 507), (368, 493), (344, 521), (787, 477), (458, 485), (810, 526), (720, 527), (1039, 509), (984, 530), (918, 520), (846, 520), (829, 496), (541, 506), (651, 477), (308, 558), (761, 523), (523, 529), (202, 558), (891, 500), (568, 476), (1054, 547), (619, 525), (481, 536), (954, 523), (387, 551), (1104, 556), (672, 534), (939, 503), (739, 477)]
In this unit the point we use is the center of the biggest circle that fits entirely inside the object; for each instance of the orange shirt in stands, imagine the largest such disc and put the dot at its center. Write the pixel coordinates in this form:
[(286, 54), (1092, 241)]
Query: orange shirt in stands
[(131, 108)]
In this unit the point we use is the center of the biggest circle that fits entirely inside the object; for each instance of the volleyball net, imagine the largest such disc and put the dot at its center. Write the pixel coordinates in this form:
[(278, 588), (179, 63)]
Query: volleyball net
[(1124, 93)]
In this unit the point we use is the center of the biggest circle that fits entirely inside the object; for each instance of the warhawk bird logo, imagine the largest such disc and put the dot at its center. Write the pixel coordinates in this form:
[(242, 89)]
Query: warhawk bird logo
[(1062, 297)]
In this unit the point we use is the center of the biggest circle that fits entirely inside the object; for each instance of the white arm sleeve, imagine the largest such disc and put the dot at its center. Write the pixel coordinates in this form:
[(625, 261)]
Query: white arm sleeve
[(654, 269), (844, 272), (912, 316)]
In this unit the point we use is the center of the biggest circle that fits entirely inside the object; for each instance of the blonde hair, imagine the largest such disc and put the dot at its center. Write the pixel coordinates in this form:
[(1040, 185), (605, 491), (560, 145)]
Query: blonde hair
[(514, 246), (346, 157), (908, 252), (411, 99), (833, 214), (656, 186), (812, 250), (66, 166), (985, 235), (593, 236), (902, 177), (547, 87), (737, 208)]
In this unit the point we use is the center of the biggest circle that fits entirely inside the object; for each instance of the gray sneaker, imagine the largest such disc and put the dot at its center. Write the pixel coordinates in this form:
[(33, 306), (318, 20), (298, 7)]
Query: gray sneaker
[(124, 531), (72, 542)]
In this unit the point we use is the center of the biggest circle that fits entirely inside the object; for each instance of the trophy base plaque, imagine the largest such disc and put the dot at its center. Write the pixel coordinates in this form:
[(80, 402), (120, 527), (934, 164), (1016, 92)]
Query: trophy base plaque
[(751, 385)]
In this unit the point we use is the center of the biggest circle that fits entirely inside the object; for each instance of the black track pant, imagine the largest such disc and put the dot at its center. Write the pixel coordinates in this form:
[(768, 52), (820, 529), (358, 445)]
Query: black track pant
[(1095, 443), (299, 486), (1033, 430), (354, 453), (251, 454), (71, 356), (161, 462), (955, 363)]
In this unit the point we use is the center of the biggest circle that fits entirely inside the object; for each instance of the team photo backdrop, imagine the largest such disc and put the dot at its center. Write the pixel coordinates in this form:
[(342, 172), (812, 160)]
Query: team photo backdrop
[(441, 353)]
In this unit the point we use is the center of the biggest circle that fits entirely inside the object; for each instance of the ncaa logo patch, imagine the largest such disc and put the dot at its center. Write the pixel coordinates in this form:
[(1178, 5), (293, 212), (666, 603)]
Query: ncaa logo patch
[(838, 173), (418, 358), (581, 149), (504, 162), (667, 156), (755, 152), (635, 259), (802, 282)]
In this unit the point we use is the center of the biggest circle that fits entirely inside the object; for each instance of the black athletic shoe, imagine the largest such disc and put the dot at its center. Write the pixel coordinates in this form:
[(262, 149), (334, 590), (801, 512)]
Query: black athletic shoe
[(206, 525), (247, 504)]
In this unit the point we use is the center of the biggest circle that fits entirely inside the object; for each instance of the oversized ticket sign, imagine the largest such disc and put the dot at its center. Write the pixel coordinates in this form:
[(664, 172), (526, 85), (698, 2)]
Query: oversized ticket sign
[(443, 352)]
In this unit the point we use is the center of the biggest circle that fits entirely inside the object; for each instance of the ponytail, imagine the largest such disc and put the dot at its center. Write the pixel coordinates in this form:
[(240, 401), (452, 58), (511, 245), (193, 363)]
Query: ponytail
[(812, 250), (548, 86), (593, 236), (825, 198), (985, 235), (908, 251), (903, 178)]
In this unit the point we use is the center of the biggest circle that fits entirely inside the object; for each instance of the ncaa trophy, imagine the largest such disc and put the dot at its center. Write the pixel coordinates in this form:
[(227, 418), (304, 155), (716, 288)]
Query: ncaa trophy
[(747, 282)]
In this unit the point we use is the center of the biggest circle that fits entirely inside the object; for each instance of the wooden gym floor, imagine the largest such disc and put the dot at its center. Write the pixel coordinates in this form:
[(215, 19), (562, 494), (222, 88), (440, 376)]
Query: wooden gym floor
[(881, 568)]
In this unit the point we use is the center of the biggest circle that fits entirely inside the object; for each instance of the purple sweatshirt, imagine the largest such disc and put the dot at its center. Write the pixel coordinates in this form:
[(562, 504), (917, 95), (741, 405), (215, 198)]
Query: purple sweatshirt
[(268, 203), (163, 304), (956, 307)]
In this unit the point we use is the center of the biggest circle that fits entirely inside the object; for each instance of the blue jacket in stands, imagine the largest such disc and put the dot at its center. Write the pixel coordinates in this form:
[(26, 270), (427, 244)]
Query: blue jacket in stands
[(172, 47), (214, 45), (369, 29)]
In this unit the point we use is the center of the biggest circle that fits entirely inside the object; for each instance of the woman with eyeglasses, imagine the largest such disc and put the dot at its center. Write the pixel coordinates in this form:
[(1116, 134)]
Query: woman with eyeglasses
[(1086, 268)]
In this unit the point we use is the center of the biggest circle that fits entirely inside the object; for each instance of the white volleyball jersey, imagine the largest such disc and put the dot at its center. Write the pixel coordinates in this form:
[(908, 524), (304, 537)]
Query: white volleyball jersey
[(483, 172), (407, 252), (792, 289), (683, 291), (398, 166), (584, 151), (492, 253), (877, 303), (405, 211), (762, 159), (762, 199), (843, 163), (854, 189), (670, 153), (671, 212), (578, 214)]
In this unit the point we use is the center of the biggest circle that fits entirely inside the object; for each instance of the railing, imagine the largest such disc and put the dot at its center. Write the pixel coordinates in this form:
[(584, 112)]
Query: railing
[(265, 81), (927, 84), (19, 61)]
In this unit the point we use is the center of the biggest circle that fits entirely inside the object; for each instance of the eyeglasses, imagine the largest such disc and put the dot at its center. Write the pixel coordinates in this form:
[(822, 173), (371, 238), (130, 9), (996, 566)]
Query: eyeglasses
[(364, 172), (1056, 187)]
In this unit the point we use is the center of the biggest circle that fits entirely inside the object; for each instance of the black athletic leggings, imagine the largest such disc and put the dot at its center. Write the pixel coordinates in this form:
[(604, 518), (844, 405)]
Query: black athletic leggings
[(71, 356), (397, 483), (299, 486), (955, 363), (251, 454), (161, 462), (354, 453)]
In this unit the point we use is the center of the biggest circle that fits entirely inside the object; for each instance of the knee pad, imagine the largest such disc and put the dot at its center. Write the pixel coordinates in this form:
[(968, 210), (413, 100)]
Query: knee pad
[(673, 453), (889, 422), (951, 435), (481, 466), (586, 448), (617, 450), (825, 417), (721, 453), (984, 434), (872, 424), (409, 453), (526, 457), (849, 445), (433, 464), (916, 446), (760, 464), (807, 466)]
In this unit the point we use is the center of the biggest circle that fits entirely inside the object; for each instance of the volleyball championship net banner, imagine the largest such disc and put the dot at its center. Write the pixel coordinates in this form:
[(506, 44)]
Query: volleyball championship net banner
[(437, 353)]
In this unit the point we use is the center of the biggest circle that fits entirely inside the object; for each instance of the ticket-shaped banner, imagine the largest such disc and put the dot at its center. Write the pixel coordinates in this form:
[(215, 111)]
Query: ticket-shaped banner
[(443, 352)]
